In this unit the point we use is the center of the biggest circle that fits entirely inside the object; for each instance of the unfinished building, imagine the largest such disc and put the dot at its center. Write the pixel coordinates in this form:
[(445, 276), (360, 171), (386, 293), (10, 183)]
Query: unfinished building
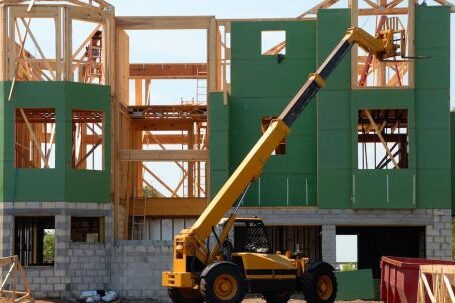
[(89, 156)]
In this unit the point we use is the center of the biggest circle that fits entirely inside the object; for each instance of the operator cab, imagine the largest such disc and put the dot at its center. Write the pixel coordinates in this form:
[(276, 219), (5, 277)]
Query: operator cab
[(250, 236)]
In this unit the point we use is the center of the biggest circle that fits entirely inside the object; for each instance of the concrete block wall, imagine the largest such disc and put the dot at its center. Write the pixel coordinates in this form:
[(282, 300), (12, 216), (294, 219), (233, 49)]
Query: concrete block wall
[(438, 235), (437, 222), (136, 268), (88, 267), (133, 268), (77, 266)]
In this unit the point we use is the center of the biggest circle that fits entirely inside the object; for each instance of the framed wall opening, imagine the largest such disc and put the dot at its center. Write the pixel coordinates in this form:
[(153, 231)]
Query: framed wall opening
[(158, 229), (346, 252), (43, 46), (383, 139), (171, 73), (273, 43), (87, 229), (374, 17), (281, 148), (34, 240), (377, 241), (306, 239), (88, 52), (88, 140), (35, 138)]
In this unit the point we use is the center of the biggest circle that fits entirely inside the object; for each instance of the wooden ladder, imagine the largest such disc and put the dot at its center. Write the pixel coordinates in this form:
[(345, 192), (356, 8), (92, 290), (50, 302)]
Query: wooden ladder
[(137, 224), (93, 68)]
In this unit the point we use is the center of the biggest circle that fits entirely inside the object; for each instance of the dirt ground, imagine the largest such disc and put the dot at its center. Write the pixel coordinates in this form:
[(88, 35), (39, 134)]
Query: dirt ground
[(302, 301), (154, 301)]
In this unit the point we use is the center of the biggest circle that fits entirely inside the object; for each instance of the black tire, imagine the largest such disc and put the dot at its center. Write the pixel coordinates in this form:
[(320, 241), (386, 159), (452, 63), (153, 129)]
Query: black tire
[(320, 284), (184, 295), (273, 297), (223, 283)]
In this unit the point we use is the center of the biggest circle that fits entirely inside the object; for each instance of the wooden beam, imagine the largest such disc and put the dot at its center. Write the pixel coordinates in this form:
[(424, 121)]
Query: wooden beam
[(381, 138), (167, 71), (163, 155), (445, 2), (383, 11), (138, 91), (21, 54), (276, 49), (167, 139), (34, 139), (314, 9), (37, 46), (157, 178), (168, 207), (163, 124), (163, 23)]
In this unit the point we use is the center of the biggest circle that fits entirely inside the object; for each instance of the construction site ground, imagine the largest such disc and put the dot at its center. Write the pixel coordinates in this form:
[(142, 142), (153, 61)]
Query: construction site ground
[(251, 300)]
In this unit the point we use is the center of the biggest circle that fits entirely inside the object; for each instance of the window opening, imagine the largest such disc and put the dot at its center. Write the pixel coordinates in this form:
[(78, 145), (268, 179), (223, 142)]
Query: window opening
[(87, 229), (34, 240), (35, 138), (383, 141), (88, 140), (273, 43), (265, 123)]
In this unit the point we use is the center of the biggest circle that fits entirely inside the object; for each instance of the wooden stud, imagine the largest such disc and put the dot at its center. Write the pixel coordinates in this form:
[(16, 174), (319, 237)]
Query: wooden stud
[(35, 141), (159, 155), (381, 138), (162, 23)]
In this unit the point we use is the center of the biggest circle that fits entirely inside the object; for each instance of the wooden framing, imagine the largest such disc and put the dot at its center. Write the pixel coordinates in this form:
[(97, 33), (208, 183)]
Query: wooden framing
[(81, 3), (33, 143), (21, 65), (168, 207), (163, 23), (160, 155), (436, 284), (367, 71), (14, 277), (88, 131), (168, 71)]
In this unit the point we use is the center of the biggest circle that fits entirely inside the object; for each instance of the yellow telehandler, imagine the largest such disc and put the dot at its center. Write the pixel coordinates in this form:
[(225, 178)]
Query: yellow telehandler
[(224, 273)]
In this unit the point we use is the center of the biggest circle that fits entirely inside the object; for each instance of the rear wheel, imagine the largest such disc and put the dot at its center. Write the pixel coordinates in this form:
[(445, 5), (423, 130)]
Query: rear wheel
[(320, 285), (184, 295), (223, 283), (272, 297)]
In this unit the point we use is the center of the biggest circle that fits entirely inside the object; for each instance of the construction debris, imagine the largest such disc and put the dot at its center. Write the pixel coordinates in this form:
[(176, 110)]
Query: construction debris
[(91, 296)]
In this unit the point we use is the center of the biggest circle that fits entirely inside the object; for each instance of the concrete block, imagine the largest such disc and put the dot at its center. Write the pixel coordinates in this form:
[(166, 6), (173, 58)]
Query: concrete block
[(46, 286), (53, 280)]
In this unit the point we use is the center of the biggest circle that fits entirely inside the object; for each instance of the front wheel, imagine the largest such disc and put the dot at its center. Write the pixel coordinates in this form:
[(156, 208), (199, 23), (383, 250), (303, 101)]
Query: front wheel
[(273, 297), (223, 283), (320, 284), (184, 295)]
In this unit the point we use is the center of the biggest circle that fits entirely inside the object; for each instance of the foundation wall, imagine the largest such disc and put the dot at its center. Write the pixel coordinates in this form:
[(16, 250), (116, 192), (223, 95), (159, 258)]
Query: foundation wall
[(133, 268)]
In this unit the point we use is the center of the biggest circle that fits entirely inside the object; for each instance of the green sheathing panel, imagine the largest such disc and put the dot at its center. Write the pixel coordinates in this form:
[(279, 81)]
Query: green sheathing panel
[(62, 183), (384, 188), (87, 185), (452, 153), (355, 285), (263, 87), (323, 141), (334, 115), (432, 84), (219, 141)]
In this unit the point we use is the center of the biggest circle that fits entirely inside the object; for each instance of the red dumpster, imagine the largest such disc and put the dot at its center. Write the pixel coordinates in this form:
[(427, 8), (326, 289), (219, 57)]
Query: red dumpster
[(400, 277)]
